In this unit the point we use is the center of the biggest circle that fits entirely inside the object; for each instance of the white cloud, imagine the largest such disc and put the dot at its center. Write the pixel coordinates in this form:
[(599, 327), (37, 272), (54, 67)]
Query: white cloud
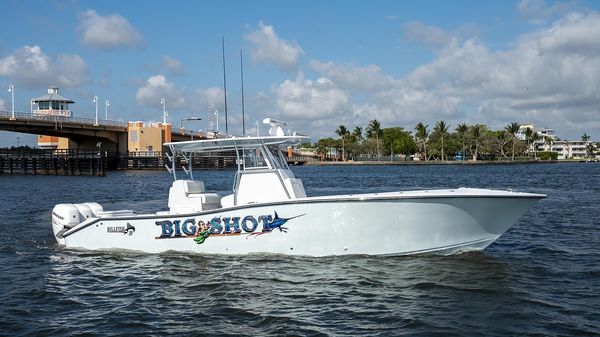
[(268, 47), (367, 78), (430, 36), (538, 11), (305, 99), (173, 65), (107, 32), (575, 33), (29, 66), (209, 97), (549, 77), (157, 87)]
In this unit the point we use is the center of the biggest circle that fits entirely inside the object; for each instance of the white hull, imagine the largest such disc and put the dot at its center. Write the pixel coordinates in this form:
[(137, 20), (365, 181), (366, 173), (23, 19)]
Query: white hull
[(442, 221)]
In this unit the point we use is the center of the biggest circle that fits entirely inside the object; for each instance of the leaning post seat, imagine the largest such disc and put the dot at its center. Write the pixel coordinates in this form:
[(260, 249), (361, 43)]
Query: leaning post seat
[(189, 196)]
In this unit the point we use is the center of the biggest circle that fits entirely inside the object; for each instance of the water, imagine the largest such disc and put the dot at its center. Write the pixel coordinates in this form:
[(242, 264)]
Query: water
[(541, 278)]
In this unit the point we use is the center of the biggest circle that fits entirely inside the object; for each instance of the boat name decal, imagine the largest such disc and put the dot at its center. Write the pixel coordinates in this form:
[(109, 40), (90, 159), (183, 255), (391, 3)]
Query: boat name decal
[(221, 226), (121, 229)]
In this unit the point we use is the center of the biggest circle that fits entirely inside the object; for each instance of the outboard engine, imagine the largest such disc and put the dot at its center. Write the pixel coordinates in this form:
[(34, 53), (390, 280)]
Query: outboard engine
[(67, 216)]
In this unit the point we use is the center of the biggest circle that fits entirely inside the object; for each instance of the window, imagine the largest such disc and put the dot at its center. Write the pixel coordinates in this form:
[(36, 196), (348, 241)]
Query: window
[(133, 136), (254, 158)]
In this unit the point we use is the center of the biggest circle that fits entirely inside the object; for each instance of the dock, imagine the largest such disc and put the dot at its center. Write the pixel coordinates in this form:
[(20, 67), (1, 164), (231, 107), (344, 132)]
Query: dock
[(58, 163)]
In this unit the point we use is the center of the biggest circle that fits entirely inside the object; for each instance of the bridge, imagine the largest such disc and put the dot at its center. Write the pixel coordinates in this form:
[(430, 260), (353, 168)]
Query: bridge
[(83, 131)]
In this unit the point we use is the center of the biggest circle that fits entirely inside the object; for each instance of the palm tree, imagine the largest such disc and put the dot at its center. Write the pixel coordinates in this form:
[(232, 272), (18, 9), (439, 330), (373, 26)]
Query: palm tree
[(357, 133), (441, 128), (528, 137), (476, 133), (513, 129), (462, 130), (374, 131), (549, 141), (421, 136), (585, 137), (590, 149), (342, 131), (534, 138)]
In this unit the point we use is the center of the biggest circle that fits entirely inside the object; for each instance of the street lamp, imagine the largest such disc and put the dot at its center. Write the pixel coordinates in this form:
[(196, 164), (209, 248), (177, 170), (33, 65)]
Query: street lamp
[(11, 89), (189, 119), (164, 104), (106, 105), (217, 114), (257, 128), (95, 100), (18, 142)]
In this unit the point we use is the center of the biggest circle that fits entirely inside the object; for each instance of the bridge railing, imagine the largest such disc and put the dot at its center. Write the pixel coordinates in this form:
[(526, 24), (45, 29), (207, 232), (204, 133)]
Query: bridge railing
[(56, 118)]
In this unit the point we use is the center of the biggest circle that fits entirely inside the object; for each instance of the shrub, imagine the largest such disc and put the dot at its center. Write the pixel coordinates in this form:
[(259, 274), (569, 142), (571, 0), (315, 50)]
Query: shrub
[(548, 155)]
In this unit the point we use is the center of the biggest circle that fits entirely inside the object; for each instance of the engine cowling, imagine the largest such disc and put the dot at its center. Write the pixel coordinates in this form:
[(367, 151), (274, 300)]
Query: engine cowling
[(67, 216)]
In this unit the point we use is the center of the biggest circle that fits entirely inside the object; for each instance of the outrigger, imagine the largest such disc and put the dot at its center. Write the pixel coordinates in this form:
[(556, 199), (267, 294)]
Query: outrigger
[(269, 212)]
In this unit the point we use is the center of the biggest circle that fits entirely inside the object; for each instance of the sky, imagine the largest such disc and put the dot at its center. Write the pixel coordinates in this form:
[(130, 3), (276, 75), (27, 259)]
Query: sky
[(314, 64)]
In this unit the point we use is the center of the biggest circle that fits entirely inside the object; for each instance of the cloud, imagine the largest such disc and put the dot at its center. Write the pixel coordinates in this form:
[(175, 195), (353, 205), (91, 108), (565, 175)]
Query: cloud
[(575, 33), (434, 37), (2, 105), (29, 66), (107, 32), (268, 47), (538, 11), (157, 87), (356, 78), (209, 97), (173, 65), (307, 100), (549, 77)]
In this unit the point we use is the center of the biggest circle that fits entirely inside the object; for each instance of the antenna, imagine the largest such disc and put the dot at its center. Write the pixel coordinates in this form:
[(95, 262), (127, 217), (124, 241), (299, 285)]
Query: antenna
[(242, 76), (224, 82)]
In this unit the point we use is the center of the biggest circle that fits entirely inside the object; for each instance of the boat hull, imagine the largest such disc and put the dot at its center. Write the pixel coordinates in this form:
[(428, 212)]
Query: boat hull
[(377, 225)]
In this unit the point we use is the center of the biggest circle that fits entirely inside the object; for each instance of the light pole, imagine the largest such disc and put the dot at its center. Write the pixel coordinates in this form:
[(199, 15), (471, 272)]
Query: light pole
[(11, 89), (106, 105), (217, 114), (18, 142), (189, 119), (95, 100), (164, 104), (257, 123)]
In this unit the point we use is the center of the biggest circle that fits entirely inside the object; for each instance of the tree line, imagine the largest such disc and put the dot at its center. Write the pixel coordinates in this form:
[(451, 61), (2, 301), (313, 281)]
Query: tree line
[(440, 142)]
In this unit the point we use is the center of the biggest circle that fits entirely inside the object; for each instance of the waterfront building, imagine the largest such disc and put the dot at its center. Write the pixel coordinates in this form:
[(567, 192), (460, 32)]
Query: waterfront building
[(147, 138), (543, 132), (567, 149), (52, 104)]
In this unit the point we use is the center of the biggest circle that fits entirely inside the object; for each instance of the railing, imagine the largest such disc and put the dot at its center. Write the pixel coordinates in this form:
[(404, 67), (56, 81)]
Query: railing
[(72, 153), (56, 118)]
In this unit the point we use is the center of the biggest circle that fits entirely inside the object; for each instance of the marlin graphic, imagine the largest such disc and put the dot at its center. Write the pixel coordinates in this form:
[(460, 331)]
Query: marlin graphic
[(129, 230), (276, 223)]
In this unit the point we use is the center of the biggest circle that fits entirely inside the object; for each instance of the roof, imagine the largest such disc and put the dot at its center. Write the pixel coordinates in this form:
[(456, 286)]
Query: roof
[(224, 144), (52, 97)]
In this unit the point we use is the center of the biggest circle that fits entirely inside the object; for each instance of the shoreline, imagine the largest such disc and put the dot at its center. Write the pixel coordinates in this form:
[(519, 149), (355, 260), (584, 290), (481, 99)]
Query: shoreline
[(481, 162)]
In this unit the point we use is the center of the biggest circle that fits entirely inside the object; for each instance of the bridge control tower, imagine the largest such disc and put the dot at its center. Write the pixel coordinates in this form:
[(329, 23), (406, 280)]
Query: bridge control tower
[(52, 104)]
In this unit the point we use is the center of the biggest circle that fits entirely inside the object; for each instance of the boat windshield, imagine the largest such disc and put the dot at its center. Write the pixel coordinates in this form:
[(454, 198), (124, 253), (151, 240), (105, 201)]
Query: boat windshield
[(253, 159), (262, 157)]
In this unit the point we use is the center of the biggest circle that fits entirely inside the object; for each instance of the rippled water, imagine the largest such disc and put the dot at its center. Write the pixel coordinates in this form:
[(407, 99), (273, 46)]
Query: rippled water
[(541, 278)]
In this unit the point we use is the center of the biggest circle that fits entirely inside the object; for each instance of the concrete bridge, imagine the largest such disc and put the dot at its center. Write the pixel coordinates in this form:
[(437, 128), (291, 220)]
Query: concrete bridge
[(83, 131)]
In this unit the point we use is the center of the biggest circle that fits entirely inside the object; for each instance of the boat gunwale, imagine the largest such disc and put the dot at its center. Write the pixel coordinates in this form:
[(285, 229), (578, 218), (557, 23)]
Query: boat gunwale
[(371, 197)]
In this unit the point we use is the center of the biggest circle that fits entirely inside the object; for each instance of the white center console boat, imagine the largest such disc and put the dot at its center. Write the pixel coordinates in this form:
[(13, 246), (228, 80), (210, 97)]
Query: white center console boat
[(269, 212)]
